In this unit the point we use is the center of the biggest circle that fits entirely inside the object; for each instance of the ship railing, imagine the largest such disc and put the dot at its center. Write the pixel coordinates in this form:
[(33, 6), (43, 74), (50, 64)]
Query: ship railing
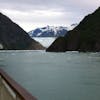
[(11, 90)]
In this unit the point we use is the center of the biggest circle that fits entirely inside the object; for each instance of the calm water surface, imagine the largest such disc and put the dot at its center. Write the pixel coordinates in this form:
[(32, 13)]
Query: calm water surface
[(45, 41), (55, 76)]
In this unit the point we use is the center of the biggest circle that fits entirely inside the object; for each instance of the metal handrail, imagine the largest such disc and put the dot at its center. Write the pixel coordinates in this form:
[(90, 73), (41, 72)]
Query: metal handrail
[(18, 90)]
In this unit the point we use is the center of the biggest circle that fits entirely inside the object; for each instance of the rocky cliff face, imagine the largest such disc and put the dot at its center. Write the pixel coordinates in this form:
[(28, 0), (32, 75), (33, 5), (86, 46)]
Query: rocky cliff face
[(13, 37), (85, 37)]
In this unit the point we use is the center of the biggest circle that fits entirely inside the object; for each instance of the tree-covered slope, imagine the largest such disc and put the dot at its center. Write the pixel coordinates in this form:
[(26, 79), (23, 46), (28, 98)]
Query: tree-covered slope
[(13, 37), (85, 37)]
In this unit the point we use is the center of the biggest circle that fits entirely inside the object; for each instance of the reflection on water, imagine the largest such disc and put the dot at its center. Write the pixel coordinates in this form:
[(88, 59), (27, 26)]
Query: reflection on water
[(55, 76)]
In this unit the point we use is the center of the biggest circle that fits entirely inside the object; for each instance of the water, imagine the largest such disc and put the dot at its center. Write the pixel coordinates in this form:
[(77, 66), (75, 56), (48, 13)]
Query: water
[(55, 76), (45, 41)]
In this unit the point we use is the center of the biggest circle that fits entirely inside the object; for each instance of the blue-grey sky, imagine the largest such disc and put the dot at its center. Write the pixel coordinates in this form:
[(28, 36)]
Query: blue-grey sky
[(30, 14)]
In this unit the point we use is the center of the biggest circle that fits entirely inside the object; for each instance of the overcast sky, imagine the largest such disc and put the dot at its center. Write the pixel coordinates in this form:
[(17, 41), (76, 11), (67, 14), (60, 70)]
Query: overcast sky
[(30, 14)]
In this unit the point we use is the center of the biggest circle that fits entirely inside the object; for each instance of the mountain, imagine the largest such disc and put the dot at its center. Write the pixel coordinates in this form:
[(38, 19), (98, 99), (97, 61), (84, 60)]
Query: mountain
[(85, 37), (48, 31), (72, 26), (13, 37)]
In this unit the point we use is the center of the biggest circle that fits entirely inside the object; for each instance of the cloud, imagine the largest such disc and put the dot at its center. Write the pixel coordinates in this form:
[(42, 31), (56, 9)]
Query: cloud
[(43, 12), (46, 4)]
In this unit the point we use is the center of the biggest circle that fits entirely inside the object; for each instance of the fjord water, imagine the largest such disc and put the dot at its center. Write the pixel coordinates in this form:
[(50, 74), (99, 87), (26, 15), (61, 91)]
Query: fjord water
[(55, 76), (45, 41)]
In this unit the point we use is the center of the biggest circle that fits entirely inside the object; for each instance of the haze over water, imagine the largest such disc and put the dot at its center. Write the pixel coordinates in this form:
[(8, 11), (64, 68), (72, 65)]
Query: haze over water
[(55, 76)]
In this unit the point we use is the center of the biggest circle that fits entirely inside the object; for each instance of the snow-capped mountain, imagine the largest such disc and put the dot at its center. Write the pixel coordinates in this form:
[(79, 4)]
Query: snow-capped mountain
[(51, 31), (48, 31), (72, 26)]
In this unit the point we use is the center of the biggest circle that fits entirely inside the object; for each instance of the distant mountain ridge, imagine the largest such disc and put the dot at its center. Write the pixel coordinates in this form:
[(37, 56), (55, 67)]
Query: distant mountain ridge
[(51, 31), (85, 37), (13, 37)]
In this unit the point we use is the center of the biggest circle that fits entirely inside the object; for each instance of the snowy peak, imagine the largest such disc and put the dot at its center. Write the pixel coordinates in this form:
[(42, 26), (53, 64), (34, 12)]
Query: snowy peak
[(72, 26), (49, 31)]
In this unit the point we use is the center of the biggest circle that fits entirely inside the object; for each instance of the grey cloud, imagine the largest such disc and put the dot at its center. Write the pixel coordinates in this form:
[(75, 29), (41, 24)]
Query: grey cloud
[(73, 10), (67, 5)]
